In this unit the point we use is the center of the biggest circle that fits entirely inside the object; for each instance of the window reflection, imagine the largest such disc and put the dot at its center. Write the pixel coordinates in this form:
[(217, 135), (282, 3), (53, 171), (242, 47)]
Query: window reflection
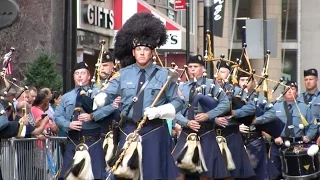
[(244, 12), (289, 20), (289, 65)]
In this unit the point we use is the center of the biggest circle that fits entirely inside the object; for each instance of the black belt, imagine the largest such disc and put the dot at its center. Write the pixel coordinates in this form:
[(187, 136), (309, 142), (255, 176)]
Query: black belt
[(227, 131), (206, 125), (252, 135), (84, 138), (124, 121)]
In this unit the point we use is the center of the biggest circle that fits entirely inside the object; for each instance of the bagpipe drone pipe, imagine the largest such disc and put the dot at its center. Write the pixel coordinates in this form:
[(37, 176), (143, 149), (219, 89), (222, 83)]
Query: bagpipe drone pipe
[(274, 126)]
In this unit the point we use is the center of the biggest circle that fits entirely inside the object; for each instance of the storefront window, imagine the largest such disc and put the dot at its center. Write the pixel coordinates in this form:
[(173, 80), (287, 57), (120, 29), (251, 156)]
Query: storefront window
[(289, 65), (289, 20)]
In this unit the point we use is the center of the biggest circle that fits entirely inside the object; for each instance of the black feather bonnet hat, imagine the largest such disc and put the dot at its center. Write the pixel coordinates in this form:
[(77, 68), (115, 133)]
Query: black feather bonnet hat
[(141, 29)]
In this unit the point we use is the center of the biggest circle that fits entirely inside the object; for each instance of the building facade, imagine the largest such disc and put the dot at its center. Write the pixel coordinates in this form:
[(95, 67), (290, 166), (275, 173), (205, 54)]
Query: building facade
[(295, 31)]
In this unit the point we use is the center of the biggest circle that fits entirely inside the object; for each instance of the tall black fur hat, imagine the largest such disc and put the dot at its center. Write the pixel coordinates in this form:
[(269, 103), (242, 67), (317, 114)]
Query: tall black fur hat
[(141, 29)]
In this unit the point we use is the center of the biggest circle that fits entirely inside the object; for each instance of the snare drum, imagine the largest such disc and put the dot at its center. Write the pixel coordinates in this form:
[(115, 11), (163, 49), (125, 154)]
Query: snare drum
[(297, 164)]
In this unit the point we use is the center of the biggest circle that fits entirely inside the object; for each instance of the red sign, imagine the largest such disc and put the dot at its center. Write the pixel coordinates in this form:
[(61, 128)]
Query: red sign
[(180, 5)]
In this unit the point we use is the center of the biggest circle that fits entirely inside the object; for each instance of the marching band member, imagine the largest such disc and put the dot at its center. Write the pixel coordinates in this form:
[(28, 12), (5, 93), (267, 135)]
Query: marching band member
[(106, 70), (223, 78), (311, 96), (107, 65), (139, 83), (252, 135), (109, 148), (311, 84), (292, 113), (81, 127), (228, 133), (202, 123)]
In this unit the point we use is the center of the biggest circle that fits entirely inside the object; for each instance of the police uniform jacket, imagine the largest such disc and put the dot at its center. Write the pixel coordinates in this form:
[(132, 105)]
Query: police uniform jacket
[(309, 131), (126, 86), (221, 108), (64, 112), (304, 97)]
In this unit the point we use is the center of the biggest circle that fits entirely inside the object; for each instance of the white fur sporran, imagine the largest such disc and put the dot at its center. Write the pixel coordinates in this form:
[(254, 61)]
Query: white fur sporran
[(222, 142), (131, 165), (108, 148), (81, 166), (191, 156)]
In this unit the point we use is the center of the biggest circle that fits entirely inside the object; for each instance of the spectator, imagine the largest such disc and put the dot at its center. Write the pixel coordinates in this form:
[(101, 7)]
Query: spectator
[(49, 95), (40, 105), (23, 108), (55, 100), (24, 97), (32, 94)]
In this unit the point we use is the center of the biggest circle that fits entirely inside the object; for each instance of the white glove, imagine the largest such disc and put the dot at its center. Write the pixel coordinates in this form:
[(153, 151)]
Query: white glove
[(166, 111), (243, 128), (99, 100)]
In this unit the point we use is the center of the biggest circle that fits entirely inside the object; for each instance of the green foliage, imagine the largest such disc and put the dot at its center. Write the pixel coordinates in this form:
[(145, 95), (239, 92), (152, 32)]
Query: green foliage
[(42, 73)]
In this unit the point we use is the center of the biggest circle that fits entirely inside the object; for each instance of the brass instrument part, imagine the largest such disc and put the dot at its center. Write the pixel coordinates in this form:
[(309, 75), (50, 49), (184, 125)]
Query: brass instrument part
[(265, 89), (259, 76), (158, 60), (97, 71), (208, 52), (235, 72)]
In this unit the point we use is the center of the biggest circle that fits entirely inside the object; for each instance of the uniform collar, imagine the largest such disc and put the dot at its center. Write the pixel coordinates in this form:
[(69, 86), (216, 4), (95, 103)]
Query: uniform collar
[(292, 103), (199, 81), (316, 92), (149, 69), (86, 88)]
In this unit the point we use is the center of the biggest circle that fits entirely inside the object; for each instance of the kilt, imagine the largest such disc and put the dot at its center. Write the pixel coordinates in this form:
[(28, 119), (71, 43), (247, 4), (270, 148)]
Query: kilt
[(240, 156), (275, 157), (95, 150), (157, 161), (263, 167), (212, 155)]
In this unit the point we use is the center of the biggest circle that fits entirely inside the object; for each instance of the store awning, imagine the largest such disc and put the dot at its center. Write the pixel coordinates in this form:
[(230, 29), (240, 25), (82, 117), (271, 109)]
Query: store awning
[(124, 9)]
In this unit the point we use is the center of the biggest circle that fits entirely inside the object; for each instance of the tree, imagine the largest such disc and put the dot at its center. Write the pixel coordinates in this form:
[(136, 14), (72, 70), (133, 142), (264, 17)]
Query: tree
[(42, 73)]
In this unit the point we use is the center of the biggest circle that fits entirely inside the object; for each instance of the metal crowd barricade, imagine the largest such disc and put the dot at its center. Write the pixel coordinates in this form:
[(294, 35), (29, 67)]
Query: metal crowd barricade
[(31, 158)]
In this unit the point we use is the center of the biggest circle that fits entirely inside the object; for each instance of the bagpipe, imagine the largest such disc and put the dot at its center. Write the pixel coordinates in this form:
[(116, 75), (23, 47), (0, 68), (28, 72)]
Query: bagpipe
[(88, 101), (191, 156), (80, 167), (263, 79)]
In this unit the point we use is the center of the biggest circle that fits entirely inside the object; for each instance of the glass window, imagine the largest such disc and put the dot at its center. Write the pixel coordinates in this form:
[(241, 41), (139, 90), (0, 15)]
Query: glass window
[(289, 20), (236, 53), (289, 66), (244, 11)]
